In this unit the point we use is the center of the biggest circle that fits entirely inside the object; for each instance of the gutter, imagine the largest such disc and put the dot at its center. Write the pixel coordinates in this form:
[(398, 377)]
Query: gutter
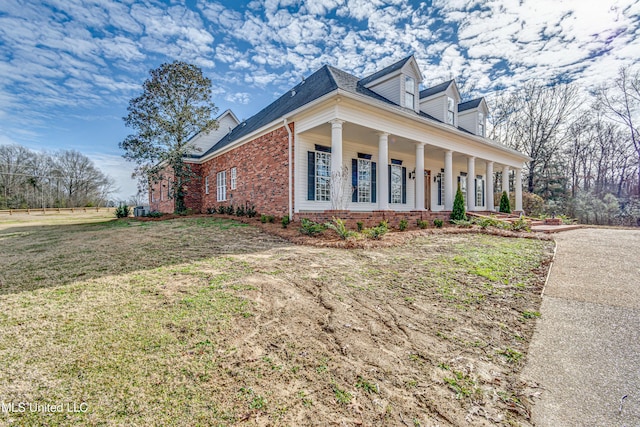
[(286, 126)]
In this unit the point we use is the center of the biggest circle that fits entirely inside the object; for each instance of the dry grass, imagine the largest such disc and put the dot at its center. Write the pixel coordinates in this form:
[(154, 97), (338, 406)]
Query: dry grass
[(203, 321)]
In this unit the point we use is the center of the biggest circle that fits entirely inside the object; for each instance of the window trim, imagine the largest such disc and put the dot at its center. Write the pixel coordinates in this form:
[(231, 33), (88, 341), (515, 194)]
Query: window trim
[(221, 186), (364, 186), (322, 183), (451, 106), (234, 178), (480, 188), (410, 90), (206, 185), (481, 124), (395, 184)]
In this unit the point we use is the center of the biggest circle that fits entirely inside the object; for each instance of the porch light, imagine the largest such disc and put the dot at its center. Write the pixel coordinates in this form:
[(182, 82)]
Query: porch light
[(412, 174)]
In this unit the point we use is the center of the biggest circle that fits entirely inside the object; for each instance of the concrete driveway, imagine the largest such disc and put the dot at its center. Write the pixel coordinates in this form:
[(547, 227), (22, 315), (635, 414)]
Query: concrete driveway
[(585, 352)]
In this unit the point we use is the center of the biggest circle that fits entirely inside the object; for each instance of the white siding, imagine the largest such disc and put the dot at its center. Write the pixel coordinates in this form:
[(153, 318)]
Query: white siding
[(203, 142), (390, 89), (468, 120), (435, 107)]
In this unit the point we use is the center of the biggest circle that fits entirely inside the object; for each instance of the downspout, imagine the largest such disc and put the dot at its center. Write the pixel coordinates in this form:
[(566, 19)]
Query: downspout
[(286, 125)]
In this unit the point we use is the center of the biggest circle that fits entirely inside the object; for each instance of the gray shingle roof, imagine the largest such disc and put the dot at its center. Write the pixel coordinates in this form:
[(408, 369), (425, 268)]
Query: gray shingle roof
[(326, 80), (468, 105), (435, 89), (316, 85), (388, 70), (323, 81)]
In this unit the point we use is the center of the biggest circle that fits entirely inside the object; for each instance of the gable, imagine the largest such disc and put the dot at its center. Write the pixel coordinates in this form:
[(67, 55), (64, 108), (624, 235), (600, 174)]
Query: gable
[(204, 141)]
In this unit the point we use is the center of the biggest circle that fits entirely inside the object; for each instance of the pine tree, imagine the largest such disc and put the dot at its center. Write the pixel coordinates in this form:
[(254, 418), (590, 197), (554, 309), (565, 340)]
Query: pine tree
[(505, 207), (459, 213)]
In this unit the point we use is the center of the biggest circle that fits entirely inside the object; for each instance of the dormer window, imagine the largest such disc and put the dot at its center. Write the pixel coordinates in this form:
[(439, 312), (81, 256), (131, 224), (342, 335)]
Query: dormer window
[(480, 124), (409, 92), (450, 111)]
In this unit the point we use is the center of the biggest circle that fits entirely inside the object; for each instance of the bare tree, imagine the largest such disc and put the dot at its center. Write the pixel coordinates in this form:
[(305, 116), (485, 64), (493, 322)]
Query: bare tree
[(534, 120), (621, 100)]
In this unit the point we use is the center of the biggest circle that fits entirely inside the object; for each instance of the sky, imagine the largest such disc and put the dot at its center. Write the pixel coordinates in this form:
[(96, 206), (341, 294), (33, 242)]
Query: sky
[(68, 68)]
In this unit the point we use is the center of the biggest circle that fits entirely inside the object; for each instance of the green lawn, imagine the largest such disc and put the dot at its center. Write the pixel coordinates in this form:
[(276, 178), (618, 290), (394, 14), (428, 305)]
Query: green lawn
[(203, 321)]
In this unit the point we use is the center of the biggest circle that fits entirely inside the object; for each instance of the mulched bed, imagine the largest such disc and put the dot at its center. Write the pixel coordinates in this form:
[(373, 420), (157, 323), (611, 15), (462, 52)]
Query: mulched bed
[(330, 239)]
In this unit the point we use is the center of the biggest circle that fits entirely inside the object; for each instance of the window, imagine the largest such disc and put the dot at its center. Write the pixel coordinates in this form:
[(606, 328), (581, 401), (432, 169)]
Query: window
[(319, 174), (462, 182), (233, 178), (409, 92), (221, 182), (396, 184), (479, 190), (440, 184), (450, 111), (206, 185), (480, 124), (363, 181)]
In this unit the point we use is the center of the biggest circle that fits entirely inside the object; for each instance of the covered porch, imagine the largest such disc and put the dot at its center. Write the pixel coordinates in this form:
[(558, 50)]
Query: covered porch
[(388, 167)]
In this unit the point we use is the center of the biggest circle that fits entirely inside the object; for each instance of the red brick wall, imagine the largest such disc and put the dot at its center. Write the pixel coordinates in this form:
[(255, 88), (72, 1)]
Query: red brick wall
[(166, 204), (262, 175), (158, 194)]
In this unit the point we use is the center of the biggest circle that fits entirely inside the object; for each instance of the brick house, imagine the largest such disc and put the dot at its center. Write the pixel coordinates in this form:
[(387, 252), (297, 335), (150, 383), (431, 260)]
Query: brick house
[(360, 148)]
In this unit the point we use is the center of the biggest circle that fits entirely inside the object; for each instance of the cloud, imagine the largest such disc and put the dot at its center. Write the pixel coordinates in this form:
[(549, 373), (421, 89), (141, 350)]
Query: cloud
[(238, 98)]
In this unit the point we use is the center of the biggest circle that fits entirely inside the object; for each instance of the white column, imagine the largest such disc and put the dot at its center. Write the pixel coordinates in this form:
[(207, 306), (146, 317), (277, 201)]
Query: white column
[(505, 179), (488, 196), (518, 189), (336, 146), (383, 172), (448, 180), (471, 180), (420, 176)]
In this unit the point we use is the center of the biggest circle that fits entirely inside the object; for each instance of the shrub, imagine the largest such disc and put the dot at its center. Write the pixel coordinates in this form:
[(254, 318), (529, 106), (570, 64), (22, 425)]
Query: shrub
[(340, 228), (266, 218), (154, 214), (122, 211), (422, 224), (221, 209), (360, 226), (532, 204), (211, 211), (229, 210), (505, 206), (285, 221), (459, 213), (438, 222), (377, 232), (403, 224), (251, 212), (487, 222), (240, 211), (520, 224), (311, 228)]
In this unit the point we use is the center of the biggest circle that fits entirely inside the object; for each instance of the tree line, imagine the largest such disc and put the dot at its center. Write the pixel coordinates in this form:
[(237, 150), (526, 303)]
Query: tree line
[(67, 178), (584, 146)]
